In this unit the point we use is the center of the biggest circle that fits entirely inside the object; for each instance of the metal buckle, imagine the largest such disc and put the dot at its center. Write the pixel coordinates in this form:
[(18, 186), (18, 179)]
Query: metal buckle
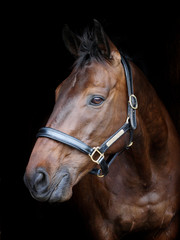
[(96, 151), (135, 104)]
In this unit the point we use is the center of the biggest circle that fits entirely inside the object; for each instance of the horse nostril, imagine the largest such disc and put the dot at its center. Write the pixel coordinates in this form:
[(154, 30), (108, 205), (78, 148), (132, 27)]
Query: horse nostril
[(41, 181)]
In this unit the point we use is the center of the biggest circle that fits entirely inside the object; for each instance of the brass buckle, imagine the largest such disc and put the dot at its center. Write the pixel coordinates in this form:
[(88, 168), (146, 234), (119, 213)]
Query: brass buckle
[(133, 106), (98, 158)]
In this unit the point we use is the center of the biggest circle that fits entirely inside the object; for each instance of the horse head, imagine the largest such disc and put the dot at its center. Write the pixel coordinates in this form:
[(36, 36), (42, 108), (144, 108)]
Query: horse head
[(91, 104)]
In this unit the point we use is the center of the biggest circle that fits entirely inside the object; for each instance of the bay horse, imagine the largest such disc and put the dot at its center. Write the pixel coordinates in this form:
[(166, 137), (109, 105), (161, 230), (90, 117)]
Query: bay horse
[(109, 121)]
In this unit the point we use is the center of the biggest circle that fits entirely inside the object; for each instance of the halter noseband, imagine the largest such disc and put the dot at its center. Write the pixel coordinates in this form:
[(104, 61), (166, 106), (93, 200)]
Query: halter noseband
[(96, 154)]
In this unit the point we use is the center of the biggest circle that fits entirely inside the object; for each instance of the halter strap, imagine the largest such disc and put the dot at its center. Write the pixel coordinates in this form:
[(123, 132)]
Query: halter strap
[(132, 101), (64, 138), (97, 153)]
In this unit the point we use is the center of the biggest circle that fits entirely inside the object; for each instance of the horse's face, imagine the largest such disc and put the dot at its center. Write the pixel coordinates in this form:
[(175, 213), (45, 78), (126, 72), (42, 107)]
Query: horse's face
[(91, 106)]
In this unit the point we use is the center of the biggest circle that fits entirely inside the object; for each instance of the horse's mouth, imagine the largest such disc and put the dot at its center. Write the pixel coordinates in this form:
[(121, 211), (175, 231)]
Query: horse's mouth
[(62, 190)]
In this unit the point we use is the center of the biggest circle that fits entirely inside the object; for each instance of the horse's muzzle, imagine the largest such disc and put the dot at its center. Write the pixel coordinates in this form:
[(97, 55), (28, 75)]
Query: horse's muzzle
[(44, 189)]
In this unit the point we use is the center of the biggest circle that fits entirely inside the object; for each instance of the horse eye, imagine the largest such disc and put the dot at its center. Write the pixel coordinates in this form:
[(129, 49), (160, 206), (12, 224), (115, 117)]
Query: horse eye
[(96, 101)]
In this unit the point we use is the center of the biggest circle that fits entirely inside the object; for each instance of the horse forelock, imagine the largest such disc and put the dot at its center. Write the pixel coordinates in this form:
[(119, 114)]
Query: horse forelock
[(89, 49)]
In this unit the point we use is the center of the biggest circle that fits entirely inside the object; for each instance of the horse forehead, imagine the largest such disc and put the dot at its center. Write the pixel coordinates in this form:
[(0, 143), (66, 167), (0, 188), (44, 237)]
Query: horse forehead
[(95, 74)]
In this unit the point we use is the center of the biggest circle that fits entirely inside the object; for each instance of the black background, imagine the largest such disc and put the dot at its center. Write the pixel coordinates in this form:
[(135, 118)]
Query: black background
[(36, 61)]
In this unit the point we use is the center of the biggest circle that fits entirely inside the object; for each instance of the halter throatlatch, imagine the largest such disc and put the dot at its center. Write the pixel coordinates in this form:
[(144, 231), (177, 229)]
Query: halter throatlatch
[(97, 154)]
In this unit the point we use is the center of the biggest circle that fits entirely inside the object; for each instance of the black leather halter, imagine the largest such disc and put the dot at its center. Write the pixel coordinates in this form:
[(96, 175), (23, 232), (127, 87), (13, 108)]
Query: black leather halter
[(96, 154)]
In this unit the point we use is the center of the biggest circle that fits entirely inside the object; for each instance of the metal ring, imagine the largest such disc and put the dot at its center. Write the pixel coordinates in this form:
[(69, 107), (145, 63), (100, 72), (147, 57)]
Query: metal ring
[(130, 144), (133, 106), (100, 174)]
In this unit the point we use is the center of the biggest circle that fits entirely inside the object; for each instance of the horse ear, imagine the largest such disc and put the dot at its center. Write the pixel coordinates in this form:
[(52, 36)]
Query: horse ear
[(107, 48), (101, 39), (71, 41)]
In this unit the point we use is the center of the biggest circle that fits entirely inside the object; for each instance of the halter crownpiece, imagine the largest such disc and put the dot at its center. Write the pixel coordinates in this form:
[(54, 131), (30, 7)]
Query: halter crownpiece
[(97, 154)]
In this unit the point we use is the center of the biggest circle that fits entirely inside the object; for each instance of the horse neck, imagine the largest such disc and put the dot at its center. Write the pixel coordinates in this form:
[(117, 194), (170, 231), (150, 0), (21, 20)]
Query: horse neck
[(150, 137)]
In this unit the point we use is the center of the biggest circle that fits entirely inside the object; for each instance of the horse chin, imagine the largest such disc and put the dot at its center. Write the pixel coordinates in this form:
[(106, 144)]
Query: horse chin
[(58, 197)]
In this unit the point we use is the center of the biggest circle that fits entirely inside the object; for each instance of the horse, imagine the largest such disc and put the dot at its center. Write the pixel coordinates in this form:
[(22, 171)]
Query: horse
[(111, 143)]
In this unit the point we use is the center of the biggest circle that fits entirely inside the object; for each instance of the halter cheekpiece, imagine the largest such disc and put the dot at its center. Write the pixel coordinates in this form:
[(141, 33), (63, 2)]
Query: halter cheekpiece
[(97, 154)]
